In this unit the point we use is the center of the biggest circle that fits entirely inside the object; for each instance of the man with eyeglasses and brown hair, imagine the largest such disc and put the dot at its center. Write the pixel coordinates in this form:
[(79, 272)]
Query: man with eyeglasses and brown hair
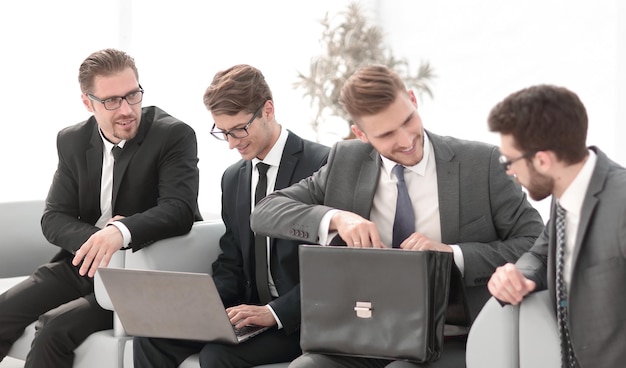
[(581, 255), (257, 278), (100, 202)]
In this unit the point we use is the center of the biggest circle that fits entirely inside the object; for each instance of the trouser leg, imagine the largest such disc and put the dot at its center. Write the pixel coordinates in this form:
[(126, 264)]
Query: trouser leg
[(48, 287), (271, 346), (162, 353), (61, 330)]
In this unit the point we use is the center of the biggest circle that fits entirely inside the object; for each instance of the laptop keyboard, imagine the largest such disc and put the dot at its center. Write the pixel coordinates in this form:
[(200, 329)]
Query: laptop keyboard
[(245, 330)]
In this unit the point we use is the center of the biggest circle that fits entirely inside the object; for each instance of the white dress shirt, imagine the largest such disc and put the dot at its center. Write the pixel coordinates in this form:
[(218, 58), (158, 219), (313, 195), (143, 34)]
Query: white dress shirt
[(572, 201), (106, 190), (273, 160)]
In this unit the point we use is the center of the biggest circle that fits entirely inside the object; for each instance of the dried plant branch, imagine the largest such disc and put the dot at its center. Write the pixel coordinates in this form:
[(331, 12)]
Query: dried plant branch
[(350, 41)]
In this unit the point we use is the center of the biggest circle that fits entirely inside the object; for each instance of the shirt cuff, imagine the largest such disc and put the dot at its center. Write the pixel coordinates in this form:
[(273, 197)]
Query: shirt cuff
[(323, 234), (280, 325), (458, 258), (125, 232)]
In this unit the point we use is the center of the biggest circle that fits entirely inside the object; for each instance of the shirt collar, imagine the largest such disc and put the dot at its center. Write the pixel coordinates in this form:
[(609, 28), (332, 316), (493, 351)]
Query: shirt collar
[(419, 169), (573, 197), (275, 154), (108, 145)]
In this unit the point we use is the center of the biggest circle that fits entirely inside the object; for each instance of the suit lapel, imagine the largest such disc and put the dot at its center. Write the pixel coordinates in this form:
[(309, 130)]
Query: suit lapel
[(94, 166), (448, 188), (590, 202), (244, 204), (288, 162), (366, 185)]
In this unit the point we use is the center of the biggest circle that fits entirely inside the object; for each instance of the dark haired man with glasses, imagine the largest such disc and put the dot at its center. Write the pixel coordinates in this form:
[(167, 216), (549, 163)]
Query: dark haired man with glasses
[(257, 278), (126, 177), (581, 255)]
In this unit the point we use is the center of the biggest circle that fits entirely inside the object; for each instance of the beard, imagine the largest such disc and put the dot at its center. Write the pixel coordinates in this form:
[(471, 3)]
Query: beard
[(540, 186)]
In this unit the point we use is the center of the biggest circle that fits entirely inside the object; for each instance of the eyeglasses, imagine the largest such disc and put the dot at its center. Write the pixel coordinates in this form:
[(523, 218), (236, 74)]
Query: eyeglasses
[(114, 103), (237, 133), (506, 163)]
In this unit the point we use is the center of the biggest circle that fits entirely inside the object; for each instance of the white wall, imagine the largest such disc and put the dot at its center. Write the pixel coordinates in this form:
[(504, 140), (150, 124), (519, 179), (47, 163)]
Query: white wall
[(481, 51)]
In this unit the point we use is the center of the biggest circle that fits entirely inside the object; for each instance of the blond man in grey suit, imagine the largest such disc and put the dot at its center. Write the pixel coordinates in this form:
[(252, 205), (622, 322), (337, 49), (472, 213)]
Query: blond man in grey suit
[(543, 132), (463, 202)]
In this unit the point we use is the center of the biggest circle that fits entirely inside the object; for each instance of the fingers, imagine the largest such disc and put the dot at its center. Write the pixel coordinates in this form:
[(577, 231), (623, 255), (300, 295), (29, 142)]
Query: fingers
[(418, 241), (509, 285), (243, 315), (356, 231), (97, 250)]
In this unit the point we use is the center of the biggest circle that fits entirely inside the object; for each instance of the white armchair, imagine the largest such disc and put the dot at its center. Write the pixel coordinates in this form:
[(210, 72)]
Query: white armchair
[(523, 336), (24, 248)]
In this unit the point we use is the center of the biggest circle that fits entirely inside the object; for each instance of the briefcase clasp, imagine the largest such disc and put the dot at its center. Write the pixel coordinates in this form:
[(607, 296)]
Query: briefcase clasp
[(363, 309)]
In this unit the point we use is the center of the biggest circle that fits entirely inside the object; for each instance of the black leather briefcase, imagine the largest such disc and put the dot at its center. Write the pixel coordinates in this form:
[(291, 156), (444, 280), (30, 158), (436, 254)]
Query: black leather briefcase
[(378, 303)]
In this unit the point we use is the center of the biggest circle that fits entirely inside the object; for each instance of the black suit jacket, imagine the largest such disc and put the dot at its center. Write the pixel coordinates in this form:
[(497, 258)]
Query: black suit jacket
[(234, 270), (155, 185)]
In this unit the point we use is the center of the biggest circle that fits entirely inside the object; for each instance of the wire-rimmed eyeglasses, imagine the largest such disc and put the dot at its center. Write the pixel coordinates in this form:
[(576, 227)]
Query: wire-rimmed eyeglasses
[(506, 163), (114, 103), (237, 133)]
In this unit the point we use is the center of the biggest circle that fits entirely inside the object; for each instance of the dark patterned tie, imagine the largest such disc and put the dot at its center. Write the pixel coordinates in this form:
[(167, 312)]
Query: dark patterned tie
[(260, 242), (567, 354), (404, 222)]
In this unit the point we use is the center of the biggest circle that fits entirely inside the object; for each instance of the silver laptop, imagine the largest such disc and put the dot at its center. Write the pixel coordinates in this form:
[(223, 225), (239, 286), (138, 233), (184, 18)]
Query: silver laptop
[(166, 304)]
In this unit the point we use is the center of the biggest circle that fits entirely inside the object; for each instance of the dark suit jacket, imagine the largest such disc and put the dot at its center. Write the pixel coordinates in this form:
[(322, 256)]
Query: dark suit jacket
[(481, 209), (155, 187), (597, 296), (234, 270)]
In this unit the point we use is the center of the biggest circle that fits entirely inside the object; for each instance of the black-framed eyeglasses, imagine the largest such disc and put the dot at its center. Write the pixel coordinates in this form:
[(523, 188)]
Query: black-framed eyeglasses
[(506, 163), (114, 103), (237, 133)]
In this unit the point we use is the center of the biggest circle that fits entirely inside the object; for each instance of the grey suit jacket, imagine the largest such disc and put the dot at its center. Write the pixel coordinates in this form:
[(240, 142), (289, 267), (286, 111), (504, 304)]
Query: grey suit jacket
[(597, 297), (481, 209)]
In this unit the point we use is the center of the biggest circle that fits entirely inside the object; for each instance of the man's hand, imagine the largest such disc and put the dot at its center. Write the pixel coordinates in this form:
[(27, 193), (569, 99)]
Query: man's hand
[(243, 315), (509, 285), (356, 231), (98, 250), (418, 241)]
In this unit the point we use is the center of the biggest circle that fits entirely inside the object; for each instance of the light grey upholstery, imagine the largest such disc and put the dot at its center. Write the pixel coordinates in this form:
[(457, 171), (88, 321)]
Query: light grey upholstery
[(523, 336), (24, 248)]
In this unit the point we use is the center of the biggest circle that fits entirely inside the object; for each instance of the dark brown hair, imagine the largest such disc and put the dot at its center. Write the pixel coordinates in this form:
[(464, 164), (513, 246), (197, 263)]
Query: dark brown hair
[(543, 117), (103, 63), (238, 88)]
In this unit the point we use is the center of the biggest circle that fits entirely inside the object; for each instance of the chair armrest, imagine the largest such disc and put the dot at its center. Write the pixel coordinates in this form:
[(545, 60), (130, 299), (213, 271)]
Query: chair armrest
[(24, 247), (494, 338), (192, 252), (538, 332)]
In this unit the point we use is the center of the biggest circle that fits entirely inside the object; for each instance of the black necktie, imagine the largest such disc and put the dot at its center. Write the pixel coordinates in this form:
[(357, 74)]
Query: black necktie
[(116, 151), (260, 242), (567, 354), (404, 222)]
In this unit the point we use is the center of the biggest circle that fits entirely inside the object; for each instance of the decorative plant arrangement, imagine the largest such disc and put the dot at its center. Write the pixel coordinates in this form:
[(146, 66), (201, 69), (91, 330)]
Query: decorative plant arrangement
[(349, 40)]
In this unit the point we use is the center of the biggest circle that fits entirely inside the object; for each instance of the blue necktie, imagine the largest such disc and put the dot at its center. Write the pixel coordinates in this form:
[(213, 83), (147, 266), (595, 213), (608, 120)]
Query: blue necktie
[(567, 353), (404, 222)]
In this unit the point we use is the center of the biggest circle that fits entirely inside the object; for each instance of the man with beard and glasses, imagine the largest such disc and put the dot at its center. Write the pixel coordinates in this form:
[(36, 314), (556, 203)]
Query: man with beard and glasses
[(462, 202), (581, 255), (126, 177)]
